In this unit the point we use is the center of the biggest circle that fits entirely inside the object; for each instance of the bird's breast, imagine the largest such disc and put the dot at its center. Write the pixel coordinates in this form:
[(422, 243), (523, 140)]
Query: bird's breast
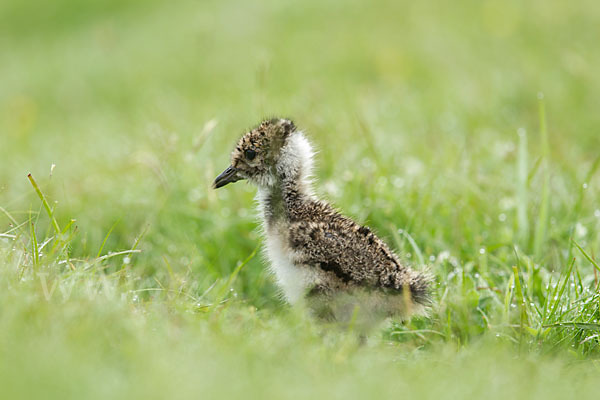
[(293, 279)]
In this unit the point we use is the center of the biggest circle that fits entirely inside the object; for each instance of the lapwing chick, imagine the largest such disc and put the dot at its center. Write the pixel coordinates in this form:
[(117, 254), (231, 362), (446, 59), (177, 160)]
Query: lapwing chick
[(342, 269)]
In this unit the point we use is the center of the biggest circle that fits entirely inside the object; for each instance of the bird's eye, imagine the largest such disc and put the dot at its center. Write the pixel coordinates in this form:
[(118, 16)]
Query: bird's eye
[(250, 154)]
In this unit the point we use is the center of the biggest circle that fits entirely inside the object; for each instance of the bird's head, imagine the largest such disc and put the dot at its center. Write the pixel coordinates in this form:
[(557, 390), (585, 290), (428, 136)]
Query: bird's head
[(259, 154)]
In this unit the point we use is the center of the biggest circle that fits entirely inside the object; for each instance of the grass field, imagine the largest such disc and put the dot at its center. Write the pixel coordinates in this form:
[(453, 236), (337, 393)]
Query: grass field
[(465, 133)]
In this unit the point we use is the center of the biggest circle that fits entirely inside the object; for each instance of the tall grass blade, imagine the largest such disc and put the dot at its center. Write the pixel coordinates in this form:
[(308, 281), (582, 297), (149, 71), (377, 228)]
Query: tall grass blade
[(35, 254), (557, 297), (106, 238), (45, 203), (10, 217), (578, 325), (507, 298), (523, 321), (414, 245), (540, 231), (232, 277), (523, 223), (587, 256)]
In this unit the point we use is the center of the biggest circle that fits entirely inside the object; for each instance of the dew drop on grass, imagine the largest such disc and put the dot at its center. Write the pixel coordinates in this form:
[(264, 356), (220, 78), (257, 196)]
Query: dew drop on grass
[(432, 258), (126, 260), (502, 217), (482, 251), (585, 185)]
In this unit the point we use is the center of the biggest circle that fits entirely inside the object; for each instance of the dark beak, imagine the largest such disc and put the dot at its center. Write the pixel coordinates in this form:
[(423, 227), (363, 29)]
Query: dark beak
[(230, 175)]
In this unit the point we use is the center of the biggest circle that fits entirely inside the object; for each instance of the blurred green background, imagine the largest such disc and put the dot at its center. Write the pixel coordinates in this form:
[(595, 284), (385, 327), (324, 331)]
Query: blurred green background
[(426, 117)]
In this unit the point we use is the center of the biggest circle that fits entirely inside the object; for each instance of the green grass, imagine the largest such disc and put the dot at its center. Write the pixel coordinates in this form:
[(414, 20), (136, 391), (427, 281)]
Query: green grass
[(466, 134)]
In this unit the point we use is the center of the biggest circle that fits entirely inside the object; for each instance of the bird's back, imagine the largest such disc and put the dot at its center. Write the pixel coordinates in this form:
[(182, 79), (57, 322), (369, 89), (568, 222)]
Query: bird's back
[(356, 266)]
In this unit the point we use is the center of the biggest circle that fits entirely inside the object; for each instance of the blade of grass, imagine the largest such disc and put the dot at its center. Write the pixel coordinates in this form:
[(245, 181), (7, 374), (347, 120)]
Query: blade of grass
[(417, 331), (522, 221), (64, 243), (522, 306), (540, 231), (545, 309), (45, 203), (106, 238), (588, 178), (534, 170), (118, 253), (14, 221), (579, 202), (507, 298), (66, 228), (233, 276), (414, 245), (578, 325), (34, 245), (137, 242), (587, 256), (14, 228), (111, 255), (557, 298), (139, 238)]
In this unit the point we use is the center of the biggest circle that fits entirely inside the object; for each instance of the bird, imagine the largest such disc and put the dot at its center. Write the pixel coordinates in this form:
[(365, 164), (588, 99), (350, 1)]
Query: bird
[(341, 269)]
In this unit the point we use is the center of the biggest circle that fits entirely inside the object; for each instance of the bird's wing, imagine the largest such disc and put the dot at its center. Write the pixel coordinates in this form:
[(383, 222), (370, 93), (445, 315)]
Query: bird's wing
[(350, 251)]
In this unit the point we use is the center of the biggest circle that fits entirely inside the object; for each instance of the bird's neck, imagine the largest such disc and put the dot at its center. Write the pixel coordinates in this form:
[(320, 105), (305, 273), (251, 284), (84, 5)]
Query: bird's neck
[(291, 187)]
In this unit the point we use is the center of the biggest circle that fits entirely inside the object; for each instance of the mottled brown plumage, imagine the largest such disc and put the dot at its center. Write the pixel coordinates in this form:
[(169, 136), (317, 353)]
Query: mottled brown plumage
[(316, 253)]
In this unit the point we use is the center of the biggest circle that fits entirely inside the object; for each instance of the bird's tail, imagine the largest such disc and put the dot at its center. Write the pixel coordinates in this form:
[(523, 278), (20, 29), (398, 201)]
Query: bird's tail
[(420, 288), (416, 292)]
